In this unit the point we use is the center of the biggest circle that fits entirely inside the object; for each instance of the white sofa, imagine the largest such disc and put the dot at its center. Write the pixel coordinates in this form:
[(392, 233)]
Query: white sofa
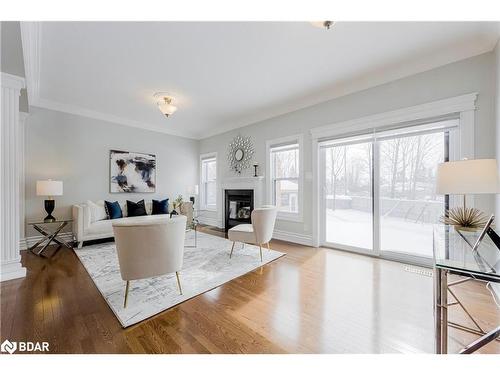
[(86, 228)]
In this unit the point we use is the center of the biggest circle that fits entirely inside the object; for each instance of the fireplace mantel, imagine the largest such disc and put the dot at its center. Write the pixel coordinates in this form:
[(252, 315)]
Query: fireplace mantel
[(250, 180), (243, 183)]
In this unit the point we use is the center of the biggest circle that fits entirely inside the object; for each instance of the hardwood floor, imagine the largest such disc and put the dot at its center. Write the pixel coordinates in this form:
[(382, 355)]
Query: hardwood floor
[(310, 301)]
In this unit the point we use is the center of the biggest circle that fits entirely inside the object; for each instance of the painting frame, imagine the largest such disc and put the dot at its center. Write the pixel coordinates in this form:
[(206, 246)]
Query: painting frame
[(132, 172)]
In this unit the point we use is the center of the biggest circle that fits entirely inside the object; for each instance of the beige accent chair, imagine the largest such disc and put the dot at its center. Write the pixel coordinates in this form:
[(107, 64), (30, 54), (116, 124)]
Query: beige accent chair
[(259, 232), (148, 249)]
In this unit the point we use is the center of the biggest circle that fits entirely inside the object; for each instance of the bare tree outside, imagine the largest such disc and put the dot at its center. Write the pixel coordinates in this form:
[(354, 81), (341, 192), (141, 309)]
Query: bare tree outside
[(408, 204), (285, 174)]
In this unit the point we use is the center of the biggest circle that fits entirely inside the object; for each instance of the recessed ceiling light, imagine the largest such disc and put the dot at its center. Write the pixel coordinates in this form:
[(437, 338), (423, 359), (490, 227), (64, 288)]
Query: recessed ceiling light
[(323, 24), (164, 102)]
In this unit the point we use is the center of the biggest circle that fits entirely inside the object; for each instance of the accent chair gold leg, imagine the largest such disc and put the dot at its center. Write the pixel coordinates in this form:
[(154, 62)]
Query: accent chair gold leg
[(126, 294), (260, 249), (268, 248), (232, 248), (178, 282)]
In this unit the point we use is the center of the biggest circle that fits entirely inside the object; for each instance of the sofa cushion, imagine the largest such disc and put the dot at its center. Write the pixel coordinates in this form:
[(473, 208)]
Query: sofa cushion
[(102, 228), (136, 209), (113, 209), (97, 211), (160, 207)]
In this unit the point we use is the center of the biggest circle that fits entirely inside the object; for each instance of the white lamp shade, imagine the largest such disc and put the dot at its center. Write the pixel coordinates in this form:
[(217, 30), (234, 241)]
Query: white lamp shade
[(478, 176), (49, 188), (193, 190)]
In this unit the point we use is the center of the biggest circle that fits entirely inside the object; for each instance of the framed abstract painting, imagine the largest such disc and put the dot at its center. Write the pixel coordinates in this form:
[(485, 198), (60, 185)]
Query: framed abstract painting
[(132, 172)]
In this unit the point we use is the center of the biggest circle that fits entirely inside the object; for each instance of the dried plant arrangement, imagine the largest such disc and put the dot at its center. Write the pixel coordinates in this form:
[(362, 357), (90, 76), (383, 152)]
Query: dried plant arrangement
[(470, 219)]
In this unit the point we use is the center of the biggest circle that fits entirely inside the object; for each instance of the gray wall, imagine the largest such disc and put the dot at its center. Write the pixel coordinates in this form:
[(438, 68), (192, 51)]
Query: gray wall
[(475, 74), (75, 149), (11, 56)]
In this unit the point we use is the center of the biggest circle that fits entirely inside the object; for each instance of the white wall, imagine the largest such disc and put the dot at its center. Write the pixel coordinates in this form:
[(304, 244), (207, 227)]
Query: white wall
[(471, 75), (75, 149)]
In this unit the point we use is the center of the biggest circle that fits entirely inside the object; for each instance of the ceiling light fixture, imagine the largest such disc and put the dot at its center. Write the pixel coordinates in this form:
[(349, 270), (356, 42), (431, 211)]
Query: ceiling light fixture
[(164, 102), (323, 24)]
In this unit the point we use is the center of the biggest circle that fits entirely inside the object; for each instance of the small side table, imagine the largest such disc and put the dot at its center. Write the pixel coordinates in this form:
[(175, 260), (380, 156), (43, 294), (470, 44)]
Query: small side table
[(194, 226), (49, 234)]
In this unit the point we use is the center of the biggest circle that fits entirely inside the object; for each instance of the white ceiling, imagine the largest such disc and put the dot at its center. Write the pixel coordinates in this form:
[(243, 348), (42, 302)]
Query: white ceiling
[(227, 75)]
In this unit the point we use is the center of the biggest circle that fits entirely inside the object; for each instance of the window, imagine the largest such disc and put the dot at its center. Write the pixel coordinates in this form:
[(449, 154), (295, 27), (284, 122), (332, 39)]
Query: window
[(285, 176), (208, 174)]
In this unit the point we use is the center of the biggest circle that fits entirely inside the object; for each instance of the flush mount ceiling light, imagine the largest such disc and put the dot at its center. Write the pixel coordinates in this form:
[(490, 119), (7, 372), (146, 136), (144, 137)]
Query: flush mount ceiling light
[(164, 102), (323, 24)]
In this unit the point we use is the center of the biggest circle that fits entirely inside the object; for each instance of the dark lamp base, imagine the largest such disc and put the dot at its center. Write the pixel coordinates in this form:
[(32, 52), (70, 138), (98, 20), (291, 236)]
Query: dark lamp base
[(49, 208)]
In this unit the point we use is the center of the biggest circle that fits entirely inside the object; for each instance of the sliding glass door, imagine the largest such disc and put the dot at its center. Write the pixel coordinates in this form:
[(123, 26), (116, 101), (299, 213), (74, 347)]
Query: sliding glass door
[(348, 194), (408, 203), (378, 190)]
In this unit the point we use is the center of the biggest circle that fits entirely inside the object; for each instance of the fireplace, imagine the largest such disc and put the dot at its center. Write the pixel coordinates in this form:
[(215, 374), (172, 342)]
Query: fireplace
[(238, 207)]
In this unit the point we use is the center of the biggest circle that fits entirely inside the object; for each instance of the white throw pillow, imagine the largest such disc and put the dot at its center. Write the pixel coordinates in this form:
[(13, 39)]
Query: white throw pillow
[(97, 211), (123, 206)]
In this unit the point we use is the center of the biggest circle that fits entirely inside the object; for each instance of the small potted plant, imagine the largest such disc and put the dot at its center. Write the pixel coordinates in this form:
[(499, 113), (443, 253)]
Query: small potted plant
[(177, 205)]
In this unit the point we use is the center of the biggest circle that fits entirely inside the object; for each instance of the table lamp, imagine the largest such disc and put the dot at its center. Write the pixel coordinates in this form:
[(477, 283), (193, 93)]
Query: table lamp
[(192, 191), (49, 189), (479, 176)]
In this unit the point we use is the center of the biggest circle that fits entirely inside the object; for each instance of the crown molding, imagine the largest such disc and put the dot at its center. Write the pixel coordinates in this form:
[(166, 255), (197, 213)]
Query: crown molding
[(13, 82), (81, 111), (31, 37), (437, 108)]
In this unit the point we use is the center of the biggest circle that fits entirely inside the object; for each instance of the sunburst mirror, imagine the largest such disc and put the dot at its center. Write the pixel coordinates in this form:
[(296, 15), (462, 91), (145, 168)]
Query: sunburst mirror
[(240, 153)]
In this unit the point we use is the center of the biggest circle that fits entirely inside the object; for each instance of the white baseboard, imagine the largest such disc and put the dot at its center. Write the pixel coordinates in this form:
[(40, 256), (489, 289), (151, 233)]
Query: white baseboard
[(302, 239), (12, 270), (209, 221), (25, 243)]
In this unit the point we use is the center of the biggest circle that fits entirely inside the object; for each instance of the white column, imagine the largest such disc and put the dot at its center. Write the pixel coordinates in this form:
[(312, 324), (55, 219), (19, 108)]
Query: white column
[(10, 258), (22, 194)]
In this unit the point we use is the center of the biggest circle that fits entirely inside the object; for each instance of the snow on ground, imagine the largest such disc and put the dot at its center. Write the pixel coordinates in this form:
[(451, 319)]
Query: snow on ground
[(354, 228)]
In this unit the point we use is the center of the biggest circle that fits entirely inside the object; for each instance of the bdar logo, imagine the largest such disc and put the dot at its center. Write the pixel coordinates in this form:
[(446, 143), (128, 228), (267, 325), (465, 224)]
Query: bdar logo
[(8, 346), (24, 346)]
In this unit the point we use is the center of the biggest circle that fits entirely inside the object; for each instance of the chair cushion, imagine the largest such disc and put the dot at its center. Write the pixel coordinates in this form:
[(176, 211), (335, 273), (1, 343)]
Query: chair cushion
[(105, 227), (136, 209), (141, 220), (113, 210), (160, 207), (241, 233)]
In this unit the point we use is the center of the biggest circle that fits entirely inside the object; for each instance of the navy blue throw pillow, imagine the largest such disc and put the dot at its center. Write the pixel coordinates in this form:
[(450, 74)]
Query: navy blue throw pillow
[(136, 209), (113, 210), (160, 207)]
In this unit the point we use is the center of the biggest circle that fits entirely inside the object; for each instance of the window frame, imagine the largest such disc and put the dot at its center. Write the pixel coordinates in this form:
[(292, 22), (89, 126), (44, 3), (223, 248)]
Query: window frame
[(211, 156), (270, 145)]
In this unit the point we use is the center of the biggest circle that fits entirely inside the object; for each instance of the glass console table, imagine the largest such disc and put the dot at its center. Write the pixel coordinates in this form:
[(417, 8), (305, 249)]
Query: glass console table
[(453, 254), (49, 234)]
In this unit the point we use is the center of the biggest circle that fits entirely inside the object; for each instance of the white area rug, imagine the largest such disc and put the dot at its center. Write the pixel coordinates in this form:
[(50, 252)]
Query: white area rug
[(205, 267)]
